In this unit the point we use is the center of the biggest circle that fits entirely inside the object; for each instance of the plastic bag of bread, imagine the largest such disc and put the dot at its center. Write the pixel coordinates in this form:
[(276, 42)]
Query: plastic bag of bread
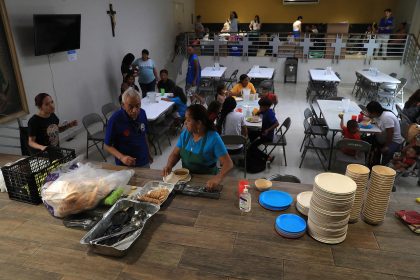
[(79, 189)]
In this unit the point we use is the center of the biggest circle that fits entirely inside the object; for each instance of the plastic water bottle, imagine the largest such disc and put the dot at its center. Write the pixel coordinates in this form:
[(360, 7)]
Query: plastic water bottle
[(245, 200)]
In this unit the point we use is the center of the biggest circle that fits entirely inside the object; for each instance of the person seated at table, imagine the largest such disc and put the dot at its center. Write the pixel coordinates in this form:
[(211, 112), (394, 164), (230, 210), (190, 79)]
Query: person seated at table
[(269, 124), (221, 93), (389, 140), (349, 131), (266, 93), (243, 83), (200, 147), (165, 84), (231, 123), (214, 110), (43, 127), (127, 83), (407, 159), (180, 101), (126, 133)]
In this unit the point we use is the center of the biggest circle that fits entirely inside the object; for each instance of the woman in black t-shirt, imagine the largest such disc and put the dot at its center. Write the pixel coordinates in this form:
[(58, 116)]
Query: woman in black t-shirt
[(44, 126), (126, 67)]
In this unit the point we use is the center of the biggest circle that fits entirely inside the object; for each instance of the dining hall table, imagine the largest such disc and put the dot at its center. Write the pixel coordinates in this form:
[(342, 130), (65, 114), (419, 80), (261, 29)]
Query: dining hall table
[(330, 110), (200, 238), (155, 109)]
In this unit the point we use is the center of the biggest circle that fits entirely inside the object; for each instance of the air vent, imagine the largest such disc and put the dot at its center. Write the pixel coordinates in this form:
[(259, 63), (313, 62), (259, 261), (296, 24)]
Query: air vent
[(300, 2)]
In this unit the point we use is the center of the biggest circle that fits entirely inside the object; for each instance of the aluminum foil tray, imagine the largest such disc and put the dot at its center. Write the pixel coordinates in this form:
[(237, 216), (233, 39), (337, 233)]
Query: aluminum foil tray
[(119, 249)]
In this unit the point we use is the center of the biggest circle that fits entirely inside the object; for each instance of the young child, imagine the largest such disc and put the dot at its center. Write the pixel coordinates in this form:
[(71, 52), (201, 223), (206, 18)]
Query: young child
[(351, 131), (214, 110), (180, 101), (221, 93), (266, 93), (269, 124), (128, 82), (410, 154)]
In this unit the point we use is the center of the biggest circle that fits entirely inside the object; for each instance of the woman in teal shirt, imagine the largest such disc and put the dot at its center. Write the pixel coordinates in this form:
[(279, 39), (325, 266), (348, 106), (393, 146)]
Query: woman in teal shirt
[(200, 147)]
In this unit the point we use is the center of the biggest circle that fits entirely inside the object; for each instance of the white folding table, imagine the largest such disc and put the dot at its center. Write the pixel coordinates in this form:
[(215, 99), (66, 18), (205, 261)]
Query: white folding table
[(261, 73), (378, 77), (323, 75), (212, 72), (155, 110)]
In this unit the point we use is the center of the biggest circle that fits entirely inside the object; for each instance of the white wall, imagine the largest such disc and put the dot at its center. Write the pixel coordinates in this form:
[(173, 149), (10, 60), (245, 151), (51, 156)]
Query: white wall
[(94, 79)]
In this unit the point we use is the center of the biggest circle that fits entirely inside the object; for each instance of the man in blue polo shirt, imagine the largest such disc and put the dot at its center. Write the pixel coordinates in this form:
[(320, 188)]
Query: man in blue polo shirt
[(386, 25), (126, 133), (192, 81)]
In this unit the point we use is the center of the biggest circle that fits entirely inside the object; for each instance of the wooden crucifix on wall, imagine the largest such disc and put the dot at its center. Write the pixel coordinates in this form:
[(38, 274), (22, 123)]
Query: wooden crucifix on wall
[(112, 14)]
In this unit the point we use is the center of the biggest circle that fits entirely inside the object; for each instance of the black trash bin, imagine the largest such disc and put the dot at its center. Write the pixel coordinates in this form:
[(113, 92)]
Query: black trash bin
[(290, 70)]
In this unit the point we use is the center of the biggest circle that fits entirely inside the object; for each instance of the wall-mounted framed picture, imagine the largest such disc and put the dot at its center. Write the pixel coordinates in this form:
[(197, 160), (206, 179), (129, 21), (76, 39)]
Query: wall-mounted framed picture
[(13, 102)]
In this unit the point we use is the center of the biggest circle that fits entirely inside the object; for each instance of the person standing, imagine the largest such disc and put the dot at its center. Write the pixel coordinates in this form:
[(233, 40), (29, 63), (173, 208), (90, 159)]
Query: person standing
[(126, 133), (255, 24), (233, 22), (297, 27), (126, 65), (386, 24), (192, 82), (199, 28), (147, 72), (43, 127)]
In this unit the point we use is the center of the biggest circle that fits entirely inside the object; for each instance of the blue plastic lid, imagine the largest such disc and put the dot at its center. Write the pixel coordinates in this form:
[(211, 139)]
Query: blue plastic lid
[(273, 208), (275, 199), (365, 126), (291, 223)]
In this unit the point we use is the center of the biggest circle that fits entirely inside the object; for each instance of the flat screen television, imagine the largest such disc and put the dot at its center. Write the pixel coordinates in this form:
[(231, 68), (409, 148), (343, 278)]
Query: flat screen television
[(56, 33)]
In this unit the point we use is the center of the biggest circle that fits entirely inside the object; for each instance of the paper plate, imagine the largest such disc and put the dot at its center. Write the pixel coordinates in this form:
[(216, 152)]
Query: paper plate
[(291, 223), (335, 184), (275, 199)]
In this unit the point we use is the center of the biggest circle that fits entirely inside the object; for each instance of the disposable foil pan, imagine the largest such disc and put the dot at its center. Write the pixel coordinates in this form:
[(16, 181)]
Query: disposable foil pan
[(119, 249)]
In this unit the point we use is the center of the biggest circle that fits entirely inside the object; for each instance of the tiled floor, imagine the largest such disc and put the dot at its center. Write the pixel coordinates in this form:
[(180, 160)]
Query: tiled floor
[(292, 103)]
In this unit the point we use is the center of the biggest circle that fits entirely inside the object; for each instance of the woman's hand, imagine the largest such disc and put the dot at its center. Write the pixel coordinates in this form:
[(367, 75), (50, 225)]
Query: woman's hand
[(127, 160), (166, 171), (213, 182)]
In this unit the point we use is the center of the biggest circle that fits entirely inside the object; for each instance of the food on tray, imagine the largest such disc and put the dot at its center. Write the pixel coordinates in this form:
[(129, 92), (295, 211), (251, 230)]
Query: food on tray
[(182, 173), (156, 196), (253, 119), (255, 111)]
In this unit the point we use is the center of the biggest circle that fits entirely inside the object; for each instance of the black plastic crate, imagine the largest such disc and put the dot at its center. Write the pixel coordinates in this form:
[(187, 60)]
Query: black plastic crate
[(25, 178)]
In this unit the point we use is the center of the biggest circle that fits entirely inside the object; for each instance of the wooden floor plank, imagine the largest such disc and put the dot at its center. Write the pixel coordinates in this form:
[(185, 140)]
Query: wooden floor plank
[(296, 250), (75, 263), (56, 235), (147, 271), (15, 250), (397, 243), (295, 270), (231, 264), (404, 264), (177, 216), (13, 270), (190, 236)]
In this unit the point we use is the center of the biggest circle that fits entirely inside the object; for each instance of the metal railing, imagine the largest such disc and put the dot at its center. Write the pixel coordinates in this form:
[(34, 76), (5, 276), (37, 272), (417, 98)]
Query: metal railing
[(307, 46), (412, 57)]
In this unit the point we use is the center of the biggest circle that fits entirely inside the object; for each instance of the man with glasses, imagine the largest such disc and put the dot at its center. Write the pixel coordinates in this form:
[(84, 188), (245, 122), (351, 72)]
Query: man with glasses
[(126, 133)]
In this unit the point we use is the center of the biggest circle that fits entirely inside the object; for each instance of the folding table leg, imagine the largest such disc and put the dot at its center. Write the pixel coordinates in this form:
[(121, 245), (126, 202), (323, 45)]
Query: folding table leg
[(331, 149)]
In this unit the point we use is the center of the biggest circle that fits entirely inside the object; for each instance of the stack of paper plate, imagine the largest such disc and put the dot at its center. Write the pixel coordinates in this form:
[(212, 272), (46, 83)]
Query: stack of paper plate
[(331, 202), (303, 201), (275, 200), (360, 175), (380, 187), (290, 226)]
